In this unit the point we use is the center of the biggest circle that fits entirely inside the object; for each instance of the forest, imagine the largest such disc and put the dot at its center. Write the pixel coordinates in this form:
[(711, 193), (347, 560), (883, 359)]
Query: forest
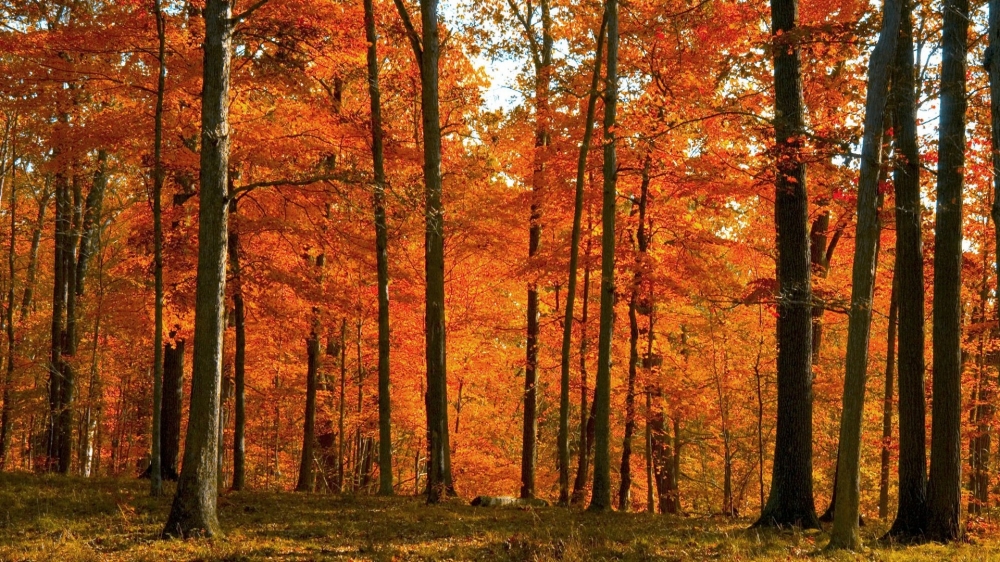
[(681, 279)]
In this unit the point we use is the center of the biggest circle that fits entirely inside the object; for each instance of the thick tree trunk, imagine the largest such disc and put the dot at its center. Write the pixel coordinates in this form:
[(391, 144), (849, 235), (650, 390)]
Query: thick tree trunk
[(944, 485), (381, 258), (601, 496), (156, 459), (845, 532), (911, 515), (790, 502), (574, 255), (887, 402), (173, 398), (194, 508), (307, 476)]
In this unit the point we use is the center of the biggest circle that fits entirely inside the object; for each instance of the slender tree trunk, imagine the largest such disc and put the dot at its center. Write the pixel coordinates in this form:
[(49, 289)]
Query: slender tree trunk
[(574, 254), (944, 485), (240, 354), (601, 496), (56, 371), (342, 404), (381, 258), (845, 532), (307, 477), (156, 460), (194, 507), (36, 240), (790, 502), (586, 415), (624, 491), (890, 372), (8, 383), (911, 515)]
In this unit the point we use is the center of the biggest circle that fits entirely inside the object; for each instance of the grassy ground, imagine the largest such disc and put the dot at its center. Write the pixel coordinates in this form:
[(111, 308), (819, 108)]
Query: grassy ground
[(70, 519)]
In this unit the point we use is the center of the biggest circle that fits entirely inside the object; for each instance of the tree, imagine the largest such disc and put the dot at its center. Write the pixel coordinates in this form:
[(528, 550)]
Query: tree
[(790, 501), (944, 485), (601, 495), (845, 524), (193, 511)]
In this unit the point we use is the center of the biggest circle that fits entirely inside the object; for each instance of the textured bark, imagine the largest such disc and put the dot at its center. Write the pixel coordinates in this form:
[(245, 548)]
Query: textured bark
[(944, 485), (790, 502), (845, 533), (601, 495), (992, 65), (381, 258), (307, 474), (574, 255), (911, 515), (173, 398), (193, 511)]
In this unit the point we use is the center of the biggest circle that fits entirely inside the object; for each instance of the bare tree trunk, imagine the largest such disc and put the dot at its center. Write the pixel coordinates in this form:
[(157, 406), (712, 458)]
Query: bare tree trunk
[(36, 240), (194, 508), (791, 498), (343, 388), (587, 420), (381, 258), (890, 371), (156, 460), (307, 477), (8, 383), (944, 485), (173, 397), (239, 359), (601, 495)]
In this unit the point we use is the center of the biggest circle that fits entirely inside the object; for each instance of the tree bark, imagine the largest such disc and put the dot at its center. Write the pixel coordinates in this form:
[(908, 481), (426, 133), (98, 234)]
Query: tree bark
[(307, 477), (173, 397), (36, 240), (944, 485), (240, 353), (381, 258), (194, 507), (587, 420), (8, 383), (846, 534), (911, 515), (790, 502), (601, 495), (156, 459)]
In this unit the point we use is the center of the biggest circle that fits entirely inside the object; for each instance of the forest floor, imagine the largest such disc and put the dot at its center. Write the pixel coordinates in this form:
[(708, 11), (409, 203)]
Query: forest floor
[(72, 519)]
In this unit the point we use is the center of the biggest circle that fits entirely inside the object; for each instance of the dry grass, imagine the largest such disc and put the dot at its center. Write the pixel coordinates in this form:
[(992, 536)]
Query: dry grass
[(71, 519)]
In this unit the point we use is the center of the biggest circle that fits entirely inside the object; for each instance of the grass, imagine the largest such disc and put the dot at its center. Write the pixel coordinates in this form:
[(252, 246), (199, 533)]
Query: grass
[(72, 519)]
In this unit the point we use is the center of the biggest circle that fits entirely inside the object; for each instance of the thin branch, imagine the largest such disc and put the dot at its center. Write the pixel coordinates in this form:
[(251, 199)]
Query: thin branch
[(411, 32), (346, 177), (248, 12)]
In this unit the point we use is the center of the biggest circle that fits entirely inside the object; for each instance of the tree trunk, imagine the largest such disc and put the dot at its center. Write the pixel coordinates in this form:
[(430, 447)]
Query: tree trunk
[(587, 420), (624, 491), (36, 240), (910, 522), (601, 496), (307, 477), (890, 372), (194, 508), (8, 383), (381, 258), (574, 255), (944, 485), (790, 502), (240, 353), (341, 405), (156, 459), (845, 532), (173, 398)]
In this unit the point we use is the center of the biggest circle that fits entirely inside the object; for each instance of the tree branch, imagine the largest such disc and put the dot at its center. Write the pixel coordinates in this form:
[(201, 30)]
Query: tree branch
[(248, 12), (411, 32)]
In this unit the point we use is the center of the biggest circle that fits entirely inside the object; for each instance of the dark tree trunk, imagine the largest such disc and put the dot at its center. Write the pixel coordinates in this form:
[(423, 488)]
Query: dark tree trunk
[(240, 353), (156, 459), (790, 502), (307, 477), (910, 522), (624, 491), (36, 240), (194, 507), (5, 414), (173, 398), (574, 255), (59, 295), (381, 258), (601, 495), (587, 421), (944, 485)]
